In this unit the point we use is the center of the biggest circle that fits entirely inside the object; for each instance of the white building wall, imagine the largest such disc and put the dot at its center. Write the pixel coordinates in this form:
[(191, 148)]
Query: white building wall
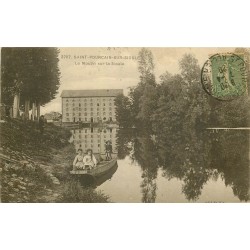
[(86, 109)]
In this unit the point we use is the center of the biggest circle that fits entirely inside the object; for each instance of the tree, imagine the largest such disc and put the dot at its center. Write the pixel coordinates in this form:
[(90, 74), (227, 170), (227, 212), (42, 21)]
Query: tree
[(148, 104), (197, 106), (11, 72), (135, 94), (123, 113), (171, 106), (190, 70), (31, 72), (146, 67), (144, 95)]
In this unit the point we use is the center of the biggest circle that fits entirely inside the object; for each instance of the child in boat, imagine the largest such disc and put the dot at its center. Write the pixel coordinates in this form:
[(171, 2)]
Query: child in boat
[(89, 160), (78, 161), (108, 149)]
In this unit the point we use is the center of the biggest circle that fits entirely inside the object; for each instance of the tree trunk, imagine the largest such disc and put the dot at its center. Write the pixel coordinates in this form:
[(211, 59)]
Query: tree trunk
[(11, 112), (33, 111), (26, 109), (16, 105), (38, 110)]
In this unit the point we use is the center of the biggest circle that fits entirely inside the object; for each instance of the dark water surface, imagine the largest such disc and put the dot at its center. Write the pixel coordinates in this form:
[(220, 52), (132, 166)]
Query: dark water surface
[(206, 166)]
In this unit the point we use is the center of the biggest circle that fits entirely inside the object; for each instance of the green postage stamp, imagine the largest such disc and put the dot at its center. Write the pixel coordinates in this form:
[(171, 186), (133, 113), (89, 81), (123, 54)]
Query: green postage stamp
[(224, 76)]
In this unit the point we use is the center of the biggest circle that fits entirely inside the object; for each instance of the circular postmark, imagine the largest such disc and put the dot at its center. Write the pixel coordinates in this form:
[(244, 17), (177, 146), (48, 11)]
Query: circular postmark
[(224, 76)]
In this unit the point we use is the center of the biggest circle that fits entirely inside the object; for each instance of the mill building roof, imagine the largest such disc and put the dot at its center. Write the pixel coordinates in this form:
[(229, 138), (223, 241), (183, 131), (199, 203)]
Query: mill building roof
[(92, 93)]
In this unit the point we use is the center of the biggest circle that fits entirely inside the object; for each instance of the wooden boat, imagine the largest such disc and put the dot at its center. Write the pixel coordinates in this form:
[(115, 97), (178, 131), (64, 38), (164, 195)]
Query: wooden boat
[(107, 176), (102, 168)]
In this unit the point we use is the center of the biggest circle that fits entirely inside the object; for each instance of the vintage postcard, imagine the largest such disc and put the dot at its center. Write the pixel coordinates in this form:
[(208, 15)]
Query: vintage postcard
[(124, 125)]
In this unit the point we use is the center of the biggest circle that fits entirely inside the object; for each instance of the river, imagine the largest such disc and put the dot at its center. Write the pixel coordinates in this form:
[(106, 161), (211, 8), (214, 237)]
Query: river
[(207, 166)]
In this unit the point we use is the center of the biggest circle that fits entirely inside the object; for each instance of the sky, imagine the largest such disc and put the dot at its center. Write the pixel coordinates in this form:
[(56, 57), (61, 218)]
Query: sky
[(100, 68)]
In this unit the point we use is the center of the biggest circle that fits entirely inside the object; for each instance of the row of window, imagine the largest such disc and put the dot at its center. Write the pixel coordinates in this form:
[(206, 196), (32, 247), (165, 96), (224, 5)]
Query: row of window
[(91, 114), (85, 109), (93, 134), (86, 104), (89, 99), (89, 146), (86, 136), (92, 130), (86, 119)]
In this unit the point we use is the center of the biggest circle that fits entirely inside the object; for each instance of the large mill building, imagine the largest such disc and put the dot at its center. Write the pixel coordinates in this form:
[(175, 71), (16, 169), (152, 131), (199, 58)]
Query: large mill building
[(89, 106)]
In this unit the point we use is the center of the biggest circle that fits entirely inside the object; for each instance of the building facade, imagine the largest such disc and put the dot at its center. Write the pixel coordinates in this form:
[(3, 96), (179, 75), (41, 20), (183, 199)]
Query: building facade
[(89, 106)]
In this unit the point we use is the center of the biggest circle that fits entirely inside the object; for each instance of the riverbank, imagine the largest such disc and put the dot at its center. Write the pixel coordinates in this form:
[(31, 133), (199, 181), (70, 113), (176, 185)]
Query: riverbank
[(35, 167)]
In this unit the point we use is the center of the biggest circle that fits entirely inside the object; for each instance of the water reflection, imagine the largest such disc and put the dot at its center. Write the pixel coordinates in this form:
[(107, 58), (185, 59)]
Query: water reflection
[(94, 138), (186, 156), (193, 158), (145, 154), (230, 157), (189, 160)]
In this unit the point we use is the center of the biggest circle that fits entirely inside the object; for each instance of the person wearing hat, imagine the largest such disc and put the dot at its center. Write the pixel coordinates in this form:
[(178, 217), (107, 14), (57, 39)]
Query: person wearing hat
[(108, 149)]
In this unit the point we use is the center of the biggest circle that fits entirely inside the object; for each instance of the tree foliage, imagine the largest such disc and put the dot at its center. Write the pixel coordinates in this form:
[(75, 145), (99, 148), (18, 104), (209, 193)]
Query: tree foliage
[(179, 102), (146, 67), (144, 96), (123, 112), (177, 111), (32, 72)]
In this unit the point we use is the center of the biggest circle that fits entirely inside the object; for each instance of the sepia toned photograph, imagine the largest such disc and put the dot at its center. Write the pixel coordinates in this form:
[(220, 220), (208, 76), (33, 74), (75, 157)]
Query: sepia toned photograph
[(124, 125)]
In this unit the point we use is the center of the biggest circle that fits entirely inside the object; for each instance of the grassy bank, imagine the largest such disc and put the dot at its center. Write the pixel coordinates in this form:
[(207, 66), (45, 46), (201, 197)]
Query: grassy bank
[(35, 167)]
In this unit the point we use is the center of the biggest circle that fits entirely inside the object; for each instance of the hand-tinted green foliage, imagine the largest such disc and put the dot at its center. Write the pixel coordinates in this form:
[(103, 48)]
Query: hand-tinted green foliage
[(32, 72)]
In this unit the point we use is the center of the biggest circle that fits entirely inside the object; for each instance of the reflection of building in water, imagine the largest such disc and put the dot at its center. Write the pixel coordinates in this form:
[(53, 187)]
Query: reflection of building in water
[(89, 105), (94, 138)]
